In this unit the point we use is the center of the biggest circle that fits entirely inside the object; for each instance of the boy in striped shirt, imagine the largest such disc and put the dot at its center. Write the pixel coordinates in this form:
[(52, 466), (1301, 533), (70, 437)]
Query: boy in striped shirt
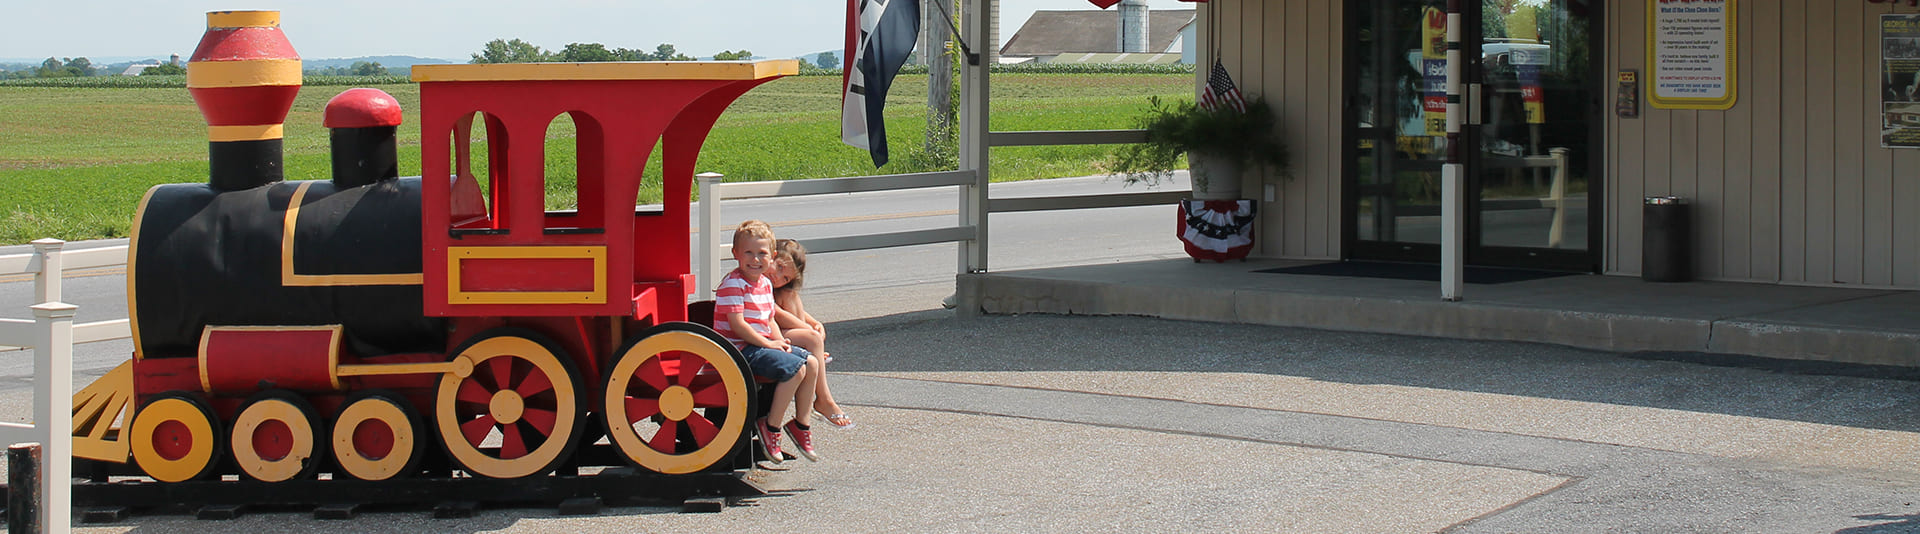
[(743, 312)]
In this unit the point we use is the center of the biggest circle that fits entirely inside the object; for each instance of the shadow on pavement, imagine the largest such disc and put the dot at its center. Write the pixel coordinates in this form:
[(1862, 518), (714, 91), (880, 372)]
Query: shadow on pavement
[(1899, 523), (935, 341)]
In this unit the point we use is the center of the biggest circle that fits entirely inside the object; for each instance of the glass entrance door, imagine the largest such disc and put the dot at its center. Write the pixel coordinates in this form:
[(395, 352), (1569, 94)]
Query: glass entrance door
[(1529, 150)]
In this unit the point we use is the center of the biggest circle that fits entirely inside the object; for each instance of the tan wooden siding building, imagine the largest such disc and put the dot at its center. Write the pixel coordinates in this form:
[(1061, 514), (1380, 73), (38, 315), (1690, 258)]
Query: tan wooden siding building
[(1789, 185)]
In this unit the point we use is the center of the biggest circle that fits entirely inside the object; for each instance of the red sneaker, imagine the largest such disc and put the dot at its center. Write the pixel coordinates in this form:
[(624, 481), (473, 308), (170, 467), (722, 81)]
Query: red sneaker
[(769, 442), (802, 440)]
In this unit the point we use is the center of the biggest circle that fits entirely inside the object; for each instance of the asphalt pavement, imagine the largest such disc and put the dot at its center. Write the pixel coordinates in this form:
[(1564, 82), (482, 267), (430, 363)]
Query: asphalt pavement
[(1047, 423)]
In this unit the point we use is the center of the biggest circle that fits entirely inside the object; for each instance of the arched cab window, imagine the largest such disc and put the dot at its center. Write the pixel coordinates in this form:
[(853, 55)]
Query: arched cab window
[(574, 167), (571, 169), (472, 206)]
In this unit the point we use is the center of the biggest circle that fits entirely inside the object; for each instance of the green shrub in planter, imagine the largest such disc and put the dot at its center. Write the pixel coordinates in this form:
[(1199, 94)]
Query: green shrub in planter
[(1248, 140)]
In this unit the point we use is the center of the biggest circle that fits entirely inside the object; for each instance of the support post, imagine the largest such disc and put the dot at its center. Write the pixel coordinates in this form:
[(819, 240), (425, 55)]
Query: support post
[(53, 412), (23, 489), (978, 20), (709, 270), (1452, 231), (934, 37)]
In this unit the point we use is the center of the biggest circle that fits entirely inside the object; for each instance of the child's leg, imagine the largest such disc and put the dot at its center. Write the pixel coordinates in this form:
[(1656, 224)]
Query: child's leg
[(823, 397), (783, 394), (815, 341), (807, 338), (787, 369), (804, 393)]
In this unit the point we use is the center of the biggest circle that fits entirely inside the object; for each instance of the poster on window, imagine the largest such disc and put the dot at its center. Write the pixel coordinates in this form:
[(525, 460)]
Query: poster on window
[(1433, 71), (1900, 81), (1690, 54)]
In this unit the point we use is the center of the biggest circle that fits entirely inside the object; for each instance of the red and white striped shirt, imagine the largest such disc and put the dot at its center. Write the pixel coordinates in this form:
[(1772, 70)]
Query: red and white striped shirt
[(752, 300)]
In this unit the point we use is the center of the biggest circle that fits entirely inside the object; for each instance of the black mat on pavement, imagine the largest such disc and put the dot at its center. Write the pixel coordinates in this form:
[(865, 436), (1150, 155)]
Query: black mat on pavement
[(1414, 271)]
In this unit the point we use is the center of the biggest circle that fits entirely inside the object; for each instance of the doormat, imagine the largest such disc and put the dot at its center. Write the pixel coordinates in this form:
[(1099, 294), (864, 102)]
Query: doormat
[(1414, 271)]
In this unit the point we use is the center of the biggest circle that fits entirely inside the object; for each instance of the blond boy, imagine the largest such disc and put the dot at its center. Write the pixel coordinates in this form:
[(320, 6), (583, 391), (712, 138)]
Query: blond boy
[(743, 312)]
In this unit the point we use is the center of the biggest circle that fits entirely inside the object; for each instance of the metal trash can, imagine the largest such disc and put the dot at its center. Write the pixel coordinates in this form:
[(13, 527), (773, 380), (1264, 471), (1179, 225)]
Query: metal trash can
[(1666, 240)]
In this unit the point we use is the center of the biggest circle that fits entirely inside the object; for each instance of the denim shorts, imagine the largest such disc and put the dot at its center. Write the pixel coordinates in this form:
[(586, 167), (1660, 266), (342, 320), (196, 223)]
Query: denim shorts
[(774, 364)]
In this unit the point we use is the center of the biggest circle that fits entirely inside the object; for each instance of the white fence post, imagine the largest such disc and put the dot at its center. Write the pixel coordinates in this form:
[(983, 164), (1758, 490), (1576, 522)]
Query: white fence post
[(46, 283), (709, 272), (52, 405)]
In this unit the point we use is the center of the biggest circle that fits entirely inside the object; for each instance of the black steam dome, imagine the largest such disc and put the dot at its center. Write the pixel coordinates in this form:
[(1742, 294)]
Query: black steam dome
[(363, 122)]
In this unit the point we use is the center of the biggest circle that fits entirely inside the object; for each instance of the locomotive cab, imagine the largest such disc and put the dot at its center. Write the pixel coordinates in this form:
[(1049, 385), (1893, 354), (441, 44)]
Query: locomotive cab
[(497, 251)]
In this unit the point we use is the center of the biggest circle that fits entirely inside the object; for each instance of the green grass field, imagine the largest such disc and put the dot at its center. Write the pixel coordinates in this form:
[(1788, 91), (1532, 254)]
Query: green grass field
[(74, 162)]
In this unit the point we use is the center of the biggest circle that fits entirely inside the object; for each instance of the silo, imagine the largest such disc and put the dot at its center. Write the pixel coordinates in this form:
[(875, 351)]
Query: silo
[(1133, 26)]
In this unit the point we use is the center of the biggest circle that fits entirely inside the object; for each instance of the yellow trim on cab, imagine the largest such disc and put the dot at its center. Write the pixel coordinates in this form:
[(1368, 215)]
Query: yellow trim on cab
[(455, 295)]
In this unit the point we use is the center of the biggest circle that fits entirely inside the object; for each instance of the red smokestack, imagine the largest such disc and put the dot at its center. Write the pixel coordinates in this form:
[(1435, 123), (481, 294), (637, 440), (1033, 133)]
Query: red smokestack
[(244, 76)]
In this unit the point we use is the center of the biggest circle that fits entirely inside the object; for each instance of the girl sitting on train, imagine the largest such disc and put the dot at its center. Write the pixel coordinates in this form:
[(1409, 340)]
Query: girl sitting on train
[(789, 270)]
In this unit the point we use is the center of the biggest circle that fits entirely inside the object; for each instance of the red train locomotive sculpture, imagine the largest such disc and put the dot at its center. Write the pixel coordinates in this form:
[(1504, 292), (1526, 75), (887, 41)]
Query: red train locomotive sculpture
[(362, 325)]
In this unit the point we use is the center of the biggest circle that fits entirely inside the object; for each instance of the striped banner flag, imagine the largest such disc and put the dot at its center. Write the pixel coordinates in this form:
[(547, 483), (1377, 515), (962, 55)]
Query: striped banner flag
[(881, 34), (1220, 90)]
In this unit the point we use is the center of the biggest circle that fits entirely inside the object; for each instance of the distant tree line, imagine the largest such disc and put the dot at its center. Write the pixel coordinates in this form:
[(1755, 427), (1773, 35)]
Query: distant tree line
[(80, 67), (164, 69), (72, 67), (359, 68), (518, 51)]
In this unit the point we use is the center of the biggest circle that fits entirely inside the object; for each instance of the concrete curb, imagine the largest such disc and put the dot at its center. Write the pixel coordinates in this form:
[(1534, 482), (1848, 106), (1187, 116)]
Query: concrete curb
[(1612, 330)]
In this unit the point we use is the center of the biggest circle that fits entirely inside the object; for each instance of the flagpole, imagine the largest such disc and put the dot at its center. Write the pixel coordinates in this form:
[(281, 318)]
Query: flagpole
[(1452, 238)]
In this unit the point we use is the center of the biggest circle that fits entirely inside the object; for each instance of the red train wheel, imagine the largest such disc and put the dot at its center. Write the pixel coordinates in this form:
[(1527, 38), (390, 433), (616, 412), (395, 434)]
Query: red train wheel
[(517, 414), (661, 392), (175, 437), (276, 436), (377, 436)]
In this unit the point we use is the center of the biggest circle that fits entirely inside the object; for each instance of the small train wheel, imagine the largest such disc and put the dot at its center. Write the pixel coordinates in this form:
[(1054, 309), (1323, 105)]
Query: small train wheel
[(377, 436), (677, 399), (522, 395), (175, 437), (276, 436)]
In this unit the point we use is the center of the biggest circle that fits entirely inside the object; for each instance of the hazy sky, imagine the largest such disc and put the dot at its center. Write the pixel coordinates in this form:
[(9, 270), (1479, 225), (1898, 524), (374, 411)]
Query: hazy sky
[(452, 29)]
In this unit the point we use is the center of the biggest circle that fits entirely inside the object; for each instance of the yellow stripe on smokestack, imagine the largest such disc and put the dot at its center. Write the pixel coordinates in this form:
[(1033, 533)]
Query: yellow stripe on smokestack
[(243, 19), (244, 133), (244, 73)]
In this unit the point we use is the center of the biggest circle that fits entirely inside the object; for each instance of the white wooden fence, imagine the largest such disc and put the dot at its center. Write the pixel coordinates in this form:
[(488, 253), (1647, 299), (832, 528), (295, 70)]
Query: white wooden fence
[(51, 334), (712, 250)]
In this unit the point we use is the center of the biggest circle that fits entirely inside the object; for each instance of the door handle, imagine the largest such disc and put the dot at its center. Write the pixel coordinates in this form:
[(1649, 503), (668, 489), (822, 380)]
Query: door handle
[(1471, 106)]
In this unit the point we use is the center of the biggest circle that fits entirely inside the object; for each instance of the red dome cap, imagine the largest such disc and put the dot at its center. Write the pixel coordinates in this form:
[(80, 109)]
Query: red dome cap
[(362, 108)]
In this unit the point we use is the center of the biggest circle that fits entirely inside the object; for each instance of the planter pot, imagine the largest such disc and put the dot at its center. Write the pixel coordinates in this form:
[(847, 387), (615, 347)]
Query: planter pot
[(1213, 178), (1217, 230)]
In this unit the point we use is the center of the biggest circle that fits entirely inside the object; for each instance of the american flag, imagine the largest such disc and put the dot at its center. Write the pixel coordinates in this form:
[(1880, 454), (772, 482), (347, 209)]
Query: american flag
[(1220, 90)]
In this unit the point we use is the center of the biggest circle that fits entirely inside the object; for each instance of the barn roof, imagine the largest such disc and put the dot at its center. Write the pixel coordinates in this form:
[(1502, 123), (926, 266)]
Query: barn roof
[(1054, 32)]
